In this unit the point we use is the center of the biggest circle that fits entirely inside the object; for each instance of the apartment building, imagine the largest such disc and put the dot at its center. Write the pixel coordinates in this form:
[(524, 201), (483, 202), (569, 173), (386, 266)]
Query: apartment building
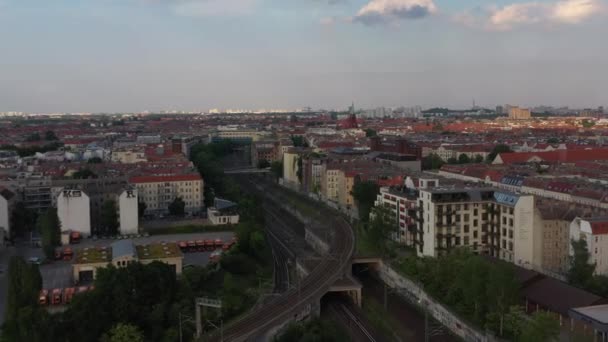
[(264, 150), (160, 190), (488, 221), (402, 202), (517, 113), (594, 231), (129, 156), (7, 200), (74, 211), (80, 208), (314, 167), (334, 181)]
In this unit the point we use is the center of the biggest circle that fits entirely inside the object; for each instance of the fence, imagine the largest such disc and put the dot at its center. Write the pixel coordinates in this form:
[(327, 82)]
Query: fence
[(416, 295)]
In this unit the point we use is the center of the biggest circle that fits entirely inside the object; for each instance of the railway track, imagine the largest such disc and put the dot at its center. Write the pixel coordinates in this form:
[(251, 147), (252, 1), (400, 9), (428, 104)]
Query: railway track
[(295, 301)]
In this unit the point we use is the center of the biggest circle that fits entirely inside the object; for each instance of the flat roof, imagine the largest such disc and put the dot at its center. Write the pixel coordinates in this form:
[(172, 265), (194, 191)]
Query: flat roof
[(598, 313), (92, 255), (158, 251)]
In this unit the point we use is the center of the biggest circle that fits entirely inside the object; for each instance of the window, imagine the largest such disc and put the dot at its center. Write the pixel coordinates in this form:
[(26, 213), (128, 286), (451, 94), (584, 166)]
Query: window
[(475, 223), (466, 207), (466, 228), (475, 212), (466, 240), (474, 234), (466, 217), (511, 222)]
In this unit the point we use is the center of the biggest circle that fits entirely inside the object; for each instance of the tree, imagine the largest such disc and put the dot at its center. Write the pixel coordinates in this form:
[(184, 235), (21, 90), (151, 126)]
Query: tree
[(452, 160), (25, 320), (50, 231), (33, 137), (23, 220), (502, 292), (123, 333), (299, 141), (50, 136), (364, 193), (95, 160), (500, 148), (262, 164), (581, 269), (277, 168), (84, 174), (109, 217), (177, 207), (478, 158), (463, 159), (432, 162), (543, 327), (313, 330), (370, 132), (382, 223), (141, 209), (553, 140)]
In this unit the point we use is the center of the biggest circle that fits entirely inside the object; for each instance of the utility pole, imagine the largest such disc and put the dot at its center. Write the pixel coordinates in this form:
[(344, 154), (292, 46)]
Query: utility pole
[(426, 324), (385, 298)]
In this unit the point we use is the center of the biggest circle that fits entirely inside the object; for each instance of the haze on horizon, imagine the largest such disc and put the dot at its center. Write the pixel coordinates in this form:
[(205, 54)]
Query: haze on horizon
[(135, 55)]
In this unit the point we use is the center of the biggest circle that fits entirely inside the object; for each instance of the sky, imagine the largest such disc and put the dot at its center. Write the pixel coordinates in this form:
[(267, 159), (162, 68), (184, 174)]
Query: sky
[(137, 55)]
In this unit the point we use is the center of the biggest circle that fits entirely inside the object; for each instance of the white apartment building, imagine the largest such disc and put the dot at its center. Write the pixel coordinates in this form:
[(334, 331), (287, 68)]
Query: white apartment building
[(128, 214), (595, 232), (488, 221), (159, 191), (128, 156), (7, 199), (74, 211)]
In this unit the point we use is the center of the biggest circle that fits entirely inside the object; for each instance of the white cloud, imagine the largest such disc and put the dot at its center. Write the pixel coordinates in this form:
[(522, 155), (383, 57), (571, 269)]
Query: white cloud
[(206, 8), (531, 13), (327, 21), (385, 11), (574, 11)]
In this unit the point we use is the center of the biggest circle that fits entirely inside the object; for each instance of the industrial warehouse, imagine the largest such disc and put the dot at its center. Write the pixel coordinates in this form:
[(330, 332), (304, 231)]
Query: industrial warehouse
[(122, 253)]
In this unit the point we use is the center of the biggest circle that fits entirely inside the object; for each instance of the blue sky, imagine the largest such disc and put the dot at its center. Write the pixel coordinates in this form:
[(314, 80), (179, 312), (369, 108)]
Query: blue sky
[(134, 55)]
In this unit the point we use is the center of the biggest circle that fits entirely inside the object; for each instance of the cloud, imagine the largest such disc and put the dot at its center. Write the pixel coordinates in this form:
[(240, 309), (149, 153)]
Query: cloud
[(327, 21), (531, 13), (207, 8), (574, 11), (386, 11)]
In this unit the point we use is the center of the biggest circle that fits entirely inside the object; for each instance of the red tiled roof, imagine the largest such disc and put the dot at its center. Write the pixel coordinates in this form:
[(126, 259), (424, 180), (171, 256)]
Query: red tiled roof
[(563, 156), (599, 228), (170, 178)]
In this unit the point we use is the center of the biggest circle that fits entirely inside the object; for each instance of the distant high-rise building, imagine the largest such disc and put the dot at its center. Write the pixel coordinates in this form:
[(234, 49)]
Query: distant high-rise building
[(499, 110), (517, 113)]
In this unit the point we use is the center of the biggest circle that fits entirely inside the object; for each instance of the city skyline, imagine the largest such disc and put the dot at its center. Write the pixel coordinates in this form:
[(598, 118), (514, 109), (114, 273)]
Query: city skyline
[(137, 55)]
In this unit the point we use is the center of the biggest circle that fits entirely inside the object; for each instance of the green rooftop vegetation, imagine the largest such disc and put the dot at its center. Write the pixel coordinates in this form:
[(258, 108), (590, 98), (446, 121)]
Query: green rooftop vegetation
[(91, 255), (158, 250)]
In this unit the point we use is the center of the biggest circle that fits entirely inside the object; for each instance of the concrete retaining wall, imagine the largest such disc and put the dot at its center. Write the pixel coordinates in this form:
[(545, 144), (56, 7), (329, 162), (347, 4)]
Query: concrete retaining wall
[(416, 295)]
